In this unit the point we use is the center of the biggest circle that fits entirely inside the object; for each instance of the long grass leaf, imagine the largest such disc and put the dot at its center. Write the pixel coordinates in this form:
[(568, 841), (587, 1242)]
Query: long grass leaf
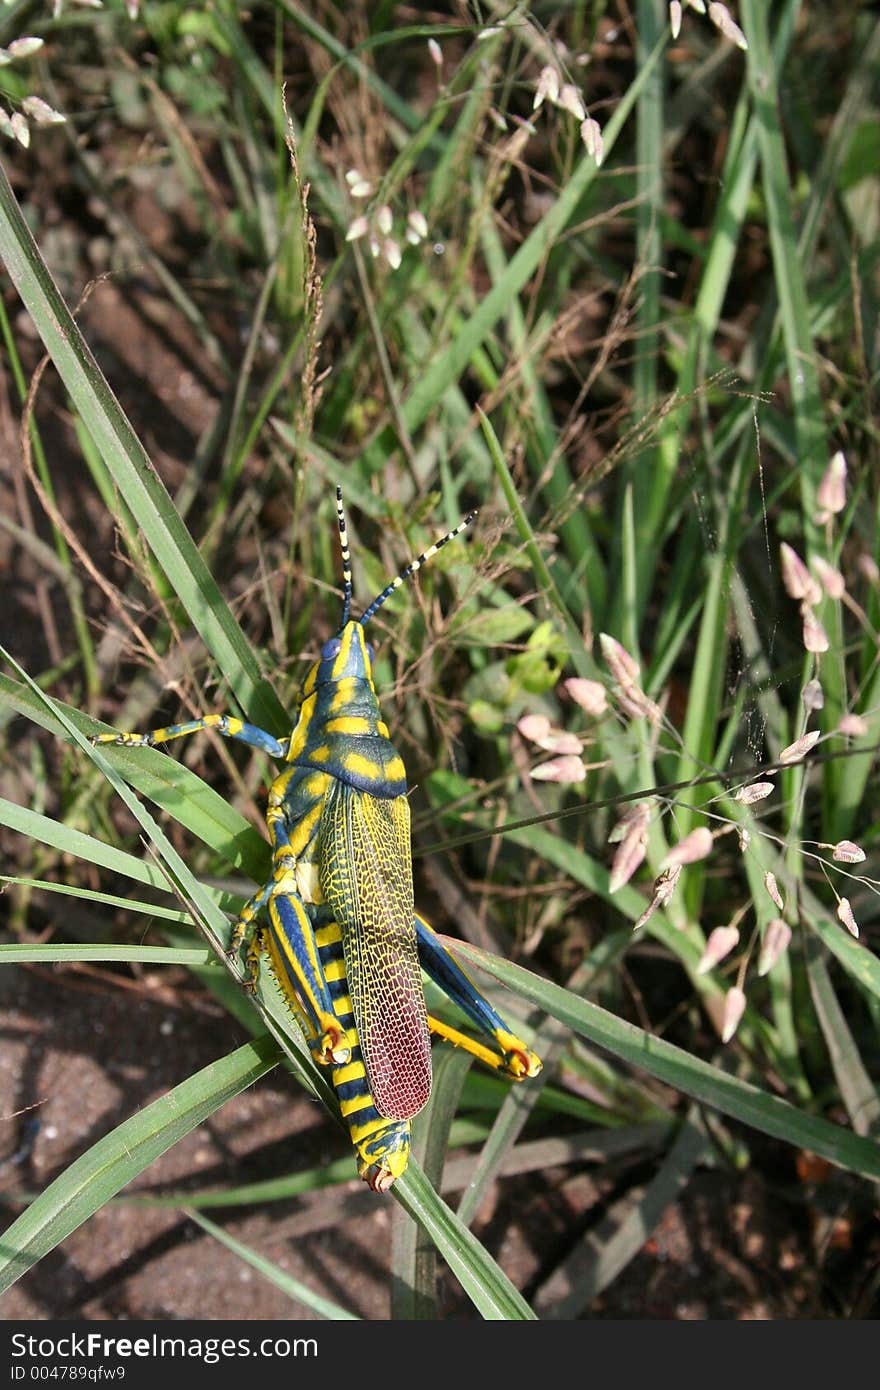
[(295, 1289), (120, 1157), (691, 1075), (622, 1233), (487, 1285), (156, 775)]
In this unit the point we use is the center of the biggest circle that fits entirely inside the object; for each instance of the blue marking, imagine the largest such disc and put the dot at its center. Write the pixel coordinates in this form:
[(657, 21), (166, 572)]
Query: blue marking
[(353, 1090), (330, 953), (392, 1139), (259, 899), (289, 818), (257, 738), (287, 932)]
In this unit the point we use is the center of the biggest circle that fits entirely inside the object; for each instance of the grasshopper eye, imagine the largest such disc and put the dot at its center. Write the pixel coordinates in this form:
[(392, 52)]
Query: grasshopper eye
[(331, 649)]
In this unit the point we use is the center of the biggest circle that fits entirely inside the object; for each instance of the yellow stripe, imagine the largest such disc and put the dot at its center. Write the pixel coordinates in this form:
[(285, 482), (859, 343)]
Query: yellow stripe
[(476, 1049), (395, 770), (342, 694), (281, 953), (279, 787), (303, 829), (329, 935), (334, 970), (351, 1107), (299, 737), (365, 767), (352, 1071), (341, 661), (348, 724), (361, 1132)]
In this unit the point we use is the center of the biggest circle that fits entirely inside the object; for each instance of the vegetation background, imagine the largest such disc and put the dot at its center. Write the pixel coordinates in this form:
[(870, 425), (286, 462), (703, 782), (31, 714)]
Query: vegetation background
[(607, 272)]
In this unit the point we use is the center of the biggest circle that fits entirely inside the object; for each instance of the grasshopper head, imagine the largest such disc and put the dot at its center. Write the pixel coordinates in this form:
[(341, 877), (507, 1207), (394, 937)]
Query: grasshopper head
[(346, 656)]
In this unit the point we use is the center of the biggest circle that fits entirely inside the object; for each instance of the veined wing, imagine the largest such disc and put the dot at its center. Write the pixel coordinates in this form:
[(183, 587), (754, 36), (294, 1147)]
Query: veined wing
[(366, 879)]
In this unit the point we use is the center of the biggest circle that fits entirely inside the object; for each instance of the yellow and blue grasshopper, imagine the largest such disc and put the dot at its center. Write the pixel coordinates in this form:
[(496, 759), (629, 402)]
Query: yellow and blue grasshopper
[(344, 940)]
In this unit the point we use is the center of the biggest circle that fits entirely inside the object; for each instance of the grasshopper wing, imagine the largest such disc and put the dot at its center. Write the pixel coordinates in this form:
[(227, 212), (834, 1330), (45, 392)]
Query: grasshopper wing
[(366, 880)]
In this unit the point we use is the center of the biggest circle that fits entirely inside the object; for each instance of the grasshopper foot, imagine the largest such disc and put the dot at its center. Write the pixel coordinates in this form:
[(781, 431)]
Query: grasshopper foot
[(332, 1048), (520, 1062), (236, 937)]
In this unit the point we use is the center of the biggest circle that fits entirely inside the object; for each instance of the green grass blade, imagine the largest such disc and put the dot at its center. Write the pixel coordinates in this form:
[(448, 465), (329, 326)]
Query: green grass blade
[(642, 474), (162, 914), (294, 1288), (156, 775), (622, 1232), (61, 837), (447, 366), (413, 1252), (10, 952), (857, 959), (549, 1041), (793, 299), (804, 380), (486, 1284), (204, 909), (857, 1090), (580, 658)]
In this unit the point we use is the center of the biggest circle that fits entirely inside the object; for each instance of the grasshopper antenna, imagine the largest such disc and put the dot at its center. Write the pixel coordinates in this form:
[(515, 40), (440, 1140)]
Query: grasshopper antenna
[(409, 570)]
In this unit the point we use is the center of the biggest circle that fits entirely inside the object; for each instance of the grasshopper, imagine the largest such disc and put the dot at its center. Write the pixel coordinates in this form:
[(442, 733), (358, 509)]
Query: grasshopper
[(341, 932)]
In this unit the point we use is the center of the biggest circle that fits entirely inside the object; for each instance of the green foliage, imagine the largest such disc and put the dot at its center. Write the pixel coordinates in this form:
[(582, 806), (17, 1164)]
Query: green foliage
[(502, 690), (639, 371)]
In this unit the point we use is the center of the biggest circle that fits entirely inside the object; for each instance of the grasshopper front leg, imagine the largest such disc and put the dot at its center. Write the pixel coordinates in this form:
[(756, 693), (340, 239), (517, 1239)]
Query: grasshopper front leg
[(225, 724)]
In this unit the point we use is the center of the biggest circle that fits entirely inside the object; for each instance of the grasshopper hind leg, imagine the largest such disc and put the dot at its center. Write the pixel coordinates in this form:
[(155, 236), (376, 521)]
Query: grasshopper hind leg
[(507, 1052), (289, 943), (296, 962)]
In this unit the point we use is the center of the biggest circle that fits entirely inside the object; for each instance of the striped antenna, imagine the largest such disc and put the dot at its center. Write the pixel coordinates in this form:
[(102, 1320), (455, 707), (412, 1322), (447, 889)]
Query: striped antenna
[(346, 560), (414, 565)]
